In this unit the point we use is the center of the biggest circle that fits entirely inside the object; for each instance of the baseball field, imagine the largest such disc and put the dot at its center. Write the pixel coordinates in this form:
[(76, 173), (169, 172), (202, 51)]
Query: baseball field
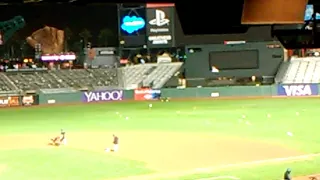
[(249, 139)]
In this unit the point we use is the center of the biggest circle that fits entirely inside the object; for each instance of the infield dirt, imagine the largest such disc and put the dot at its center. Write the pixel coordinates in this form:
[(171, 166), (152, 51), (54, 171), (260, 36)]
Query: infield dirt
[(163, 152)]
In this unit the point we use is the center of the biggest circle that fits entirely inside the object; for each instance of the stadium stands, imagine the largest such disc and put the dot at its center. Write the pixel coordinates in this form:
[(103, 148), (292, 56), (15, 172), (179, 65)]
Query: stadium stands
[(104, 77), (281, 73), (34, 80), (82, 78), (134, 75), (129, 77), (149, 75), (5, 84), (76, 78), (161, 74), (300, 70)]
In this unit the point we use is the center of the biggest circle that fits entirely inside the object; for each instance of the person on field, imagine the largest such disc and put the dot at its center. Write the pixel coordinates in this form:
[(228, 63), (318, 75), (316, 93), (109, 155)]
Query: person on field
[(287, 174), (115, 143), (55, 141), (58, 140), (63, 139)]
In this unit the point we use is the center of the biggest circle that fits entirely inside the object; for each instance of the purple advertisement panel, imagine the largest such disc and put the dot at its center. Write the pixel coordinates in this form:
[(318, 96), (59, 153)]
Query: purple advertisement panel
[(298, 90), (99, 96)]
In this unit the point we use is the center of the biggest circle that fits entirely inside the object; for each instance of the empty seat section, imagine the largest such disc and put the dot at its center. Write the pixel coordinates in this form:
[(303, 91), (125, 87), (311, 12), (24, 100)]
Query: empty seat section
[(134, 75), (161, 74), (291, 72), (82, 78), (34, 80), (316, 73), (301, 71), (308, 77), (6, 84), (76, 78)]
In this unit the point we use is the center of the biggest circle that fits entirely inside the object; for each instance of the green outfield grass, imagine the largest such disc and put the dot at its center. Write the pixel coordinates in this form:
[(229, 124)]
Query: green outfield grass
[(219, 117)]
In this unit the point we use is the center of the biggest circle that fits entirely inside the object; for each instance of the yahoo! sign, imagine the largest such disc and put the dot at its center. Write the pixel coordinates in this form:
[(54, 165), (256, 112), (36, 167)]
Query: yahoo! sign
[(98, 96), (298, 90)]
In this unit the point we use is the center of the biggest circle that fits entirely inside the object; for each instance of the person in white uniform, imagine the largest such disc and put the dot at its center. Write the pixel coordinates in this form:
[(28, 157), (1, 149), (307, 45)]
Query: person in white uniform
[(63, 139)]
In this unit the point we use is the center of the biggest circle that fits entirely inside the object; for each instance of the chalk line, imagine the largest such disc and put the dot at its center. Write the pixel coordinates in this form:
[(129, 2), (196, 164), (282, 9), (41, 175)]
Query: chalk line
[(220, 167), (274, 160)]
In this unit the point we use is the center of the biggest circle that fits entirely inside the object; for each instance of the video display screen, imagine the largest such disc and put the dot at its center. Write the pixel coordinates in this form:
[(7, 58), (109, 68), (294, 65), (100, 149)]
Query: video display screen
[(160, 27), (309, 12), (227, 60), (132, 24)]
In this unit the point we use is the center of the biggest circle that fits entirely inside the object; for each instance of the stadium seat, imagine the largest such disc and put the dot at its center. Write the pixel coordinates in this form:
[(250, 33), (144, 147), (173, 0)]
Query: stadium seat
[(301, 70), (135, 74), (6, 84), (161, 74), (54, 79)]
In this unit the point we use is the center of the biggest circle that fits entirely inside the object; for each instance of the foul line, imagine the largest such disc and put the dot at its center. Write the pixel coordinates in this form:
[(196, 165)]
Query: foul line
[(274, 160), (211, 169)]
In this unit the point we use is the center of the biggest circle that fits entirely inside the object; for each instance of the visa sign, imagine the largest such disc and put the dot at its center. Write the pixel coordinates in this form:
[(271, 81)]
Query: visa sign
[(131, 24), (298, 90)]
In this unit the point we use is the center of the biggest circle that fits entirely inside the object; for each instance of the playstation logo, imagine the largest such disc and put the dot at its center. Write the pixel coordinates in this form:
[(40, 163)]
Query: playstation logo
[(160, 19)]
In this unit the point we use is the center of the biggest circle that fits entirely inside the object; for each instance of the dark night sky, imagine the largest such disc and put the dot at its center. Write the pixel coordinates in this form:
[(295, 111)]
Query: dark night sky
[(91, 17)]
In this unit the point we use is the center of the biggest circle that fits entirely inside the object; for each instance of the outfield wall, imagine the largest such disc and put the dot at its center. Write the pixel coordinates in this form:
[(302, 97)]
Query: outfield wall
[(219, 91), (286, 90), (204, 92), (60, 98), (145, 94)]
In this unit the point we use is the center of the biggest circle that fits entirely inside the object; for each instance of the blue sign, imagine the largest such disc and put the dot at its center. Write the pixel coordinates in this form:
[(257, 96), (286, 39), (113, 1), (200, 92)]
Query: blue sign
[(131, 24), (309, 12), (298, 90)]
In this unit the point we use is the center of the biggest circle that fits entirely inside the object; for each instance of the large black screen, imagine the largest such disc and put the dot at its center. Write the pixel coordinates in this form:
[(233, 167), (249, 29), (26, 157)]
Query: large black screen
[(226, 60)]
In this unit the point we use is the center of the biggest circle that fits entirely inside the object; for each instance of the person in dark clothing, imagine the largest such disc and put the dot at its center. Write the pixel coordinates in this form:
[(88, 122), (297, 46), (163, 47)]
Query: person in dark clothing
[(58, 140), (287, 174), (55, 141), (115, 143)]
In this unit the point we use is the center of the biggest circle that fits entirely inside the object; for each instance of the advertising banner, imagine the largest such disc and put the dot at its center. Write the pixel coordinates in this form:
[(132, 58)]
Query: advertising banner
[(298, 90), (8, 101), (160, 27), (99, 96), (146, 94), (132, 26), (30, 100)]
